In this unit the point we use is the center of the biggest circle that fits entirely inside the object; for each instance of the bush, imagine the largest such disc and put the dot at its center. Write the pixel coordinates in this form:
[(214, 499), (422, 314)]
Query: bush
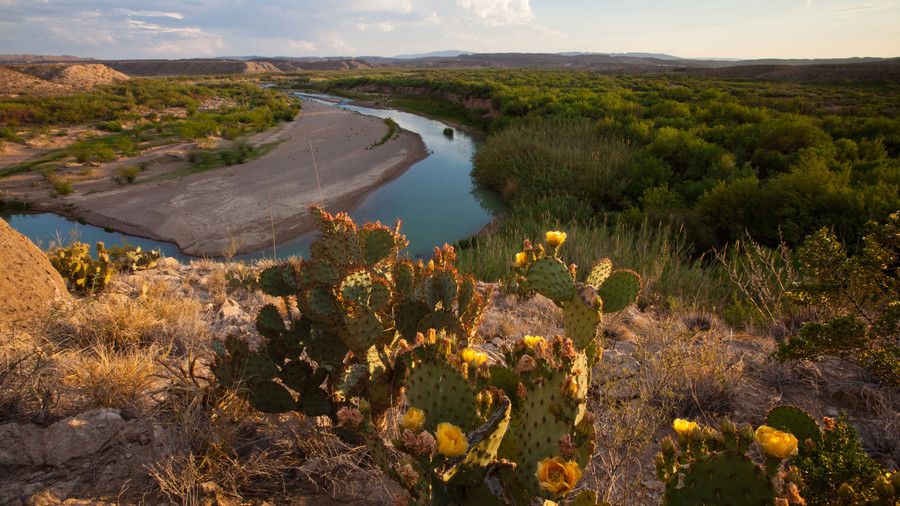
[(857, 294), (127, 173), (60, 186)]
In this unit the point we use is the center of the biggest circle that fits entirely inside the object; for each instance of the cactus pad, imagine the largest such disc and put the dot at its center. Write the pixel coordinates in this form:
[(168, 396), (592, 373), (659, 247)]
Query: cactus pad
[(725, 478), (278, 281), (619, 290), (796, 421), (441, 320), (407, 317), (551, 278), (442, 393), (270, 397), (599, 273), (377, 243), (580, 322), (363, 328)]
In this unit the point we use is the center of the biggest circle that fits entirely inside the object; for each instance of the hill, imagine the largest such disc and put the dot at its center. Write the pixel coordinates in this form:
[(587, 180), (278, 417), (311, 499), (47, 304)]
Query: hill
[(50, 79)]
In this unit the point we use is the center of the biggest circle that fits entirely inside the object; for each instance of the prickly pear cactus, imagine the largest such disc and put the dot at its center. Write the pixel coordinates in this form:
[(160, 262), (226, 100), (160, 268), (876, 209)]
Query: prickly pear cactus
[(797, 422), (725, 478), (551, 420), (353, 308), (712, 466), (83, 274), (583, 304)]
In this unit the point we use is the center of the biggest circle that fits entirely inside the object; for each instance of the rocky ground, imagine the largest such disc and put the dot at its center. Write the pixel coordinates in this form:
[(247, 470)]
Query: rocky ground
[(108, 399)]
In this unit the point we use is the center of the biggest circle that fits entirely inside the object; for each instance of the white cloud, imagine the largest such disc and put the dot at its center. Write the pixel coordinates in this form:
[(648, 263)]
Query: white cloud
[(500, 12), (150, 27), (863, 7), (303, 45), (152, 14)]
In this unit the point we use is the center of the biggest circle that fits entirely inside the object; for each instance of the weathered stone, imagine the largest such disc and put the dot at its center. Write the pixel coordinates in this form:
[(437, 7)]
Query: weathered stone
[(28, 283), (21, 445), (80, 435)]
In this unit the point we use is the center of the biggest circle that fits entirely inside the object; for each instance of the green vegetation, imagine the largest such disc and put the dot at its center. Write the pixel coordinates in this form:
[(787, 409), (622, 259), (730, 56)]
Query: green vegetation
[(802, 464), (212, 159), (858, 298), (393, 128), (368, 325), (160, 111), (60, 186), (722, 158), (86, 275), (127, 174)]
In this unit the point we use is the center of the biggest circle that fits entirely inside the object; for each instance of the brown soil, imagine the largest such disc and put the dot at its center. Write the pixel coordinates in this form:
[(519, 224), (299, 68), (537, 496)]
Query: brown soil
[(28, 283)]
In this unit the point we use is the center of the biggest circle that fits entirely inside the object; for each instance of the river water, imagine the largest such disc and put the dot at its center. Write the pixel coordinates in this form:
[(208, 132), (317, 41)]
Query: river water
[(436, 198)]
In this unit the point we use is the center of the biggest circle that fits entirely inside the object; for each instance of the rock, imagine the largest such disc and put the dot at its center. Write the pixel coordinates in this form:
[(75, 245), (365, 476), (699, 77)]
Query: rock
[(21, 445), (230, 311), (168, 263), (80, 435), (53, 495), (28, 283)]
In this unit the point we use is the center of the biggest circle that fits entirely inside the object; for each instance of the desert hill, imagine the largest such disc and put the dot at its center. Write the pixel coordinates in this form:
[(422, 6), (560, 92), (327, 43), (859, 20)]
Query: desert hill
[(56, 78)]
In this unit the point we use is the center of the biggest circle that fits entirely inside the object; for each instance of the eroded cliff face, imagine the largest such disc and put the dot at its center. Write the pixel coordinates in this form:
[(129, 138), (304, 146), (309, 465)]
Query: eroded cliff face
[(28, 283)]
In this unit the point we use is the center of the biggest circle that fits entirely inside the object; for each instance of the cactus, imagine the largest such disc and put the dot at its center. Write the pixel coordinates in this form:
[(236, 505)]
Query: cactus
[(348, 306), (83, 274), (797, 422), (551, 420), (722, 478), (357, 330), (711, 466), (132, 258)]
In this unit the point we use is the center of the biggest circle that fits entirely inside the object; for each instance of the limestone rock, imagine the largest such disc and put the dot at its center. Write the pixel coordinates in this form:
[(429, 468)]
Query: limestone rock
[(28, 283), (80, 435)]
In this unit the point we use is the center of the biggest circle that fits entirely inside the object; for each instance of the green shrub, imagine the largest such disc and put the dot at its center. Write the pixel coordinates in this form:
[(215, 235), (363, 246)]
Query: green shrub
[(60, 186), (83, 273), (858, 297), (127, 173)]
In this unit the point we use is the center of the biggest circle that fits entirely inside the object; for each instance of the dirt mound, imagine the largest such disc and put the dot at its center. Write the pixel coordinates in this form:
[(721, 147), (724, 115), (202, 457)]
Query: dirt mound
[(13, 82), (77, 76), (28, 283), (259, 67)]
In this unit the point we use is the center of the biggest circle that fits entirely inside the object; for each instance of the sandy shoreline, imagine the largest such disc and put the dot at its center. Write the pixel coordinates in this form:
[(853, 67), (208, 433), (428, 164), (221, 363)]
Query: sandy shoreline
[(203, 214)]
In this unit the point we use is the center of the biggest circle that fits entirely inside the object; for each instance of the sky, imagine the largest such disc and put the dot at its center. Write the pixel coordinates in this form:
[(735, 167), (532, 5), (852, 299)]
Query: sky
[(688, 28)]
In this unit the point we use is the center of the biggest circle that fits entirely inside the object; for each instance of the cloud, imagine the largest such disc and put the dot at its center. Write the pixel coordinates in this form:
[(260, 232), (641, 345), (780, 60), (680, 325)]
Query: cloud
[(152, 14), (863, 7), (150, 27), (500, 12)]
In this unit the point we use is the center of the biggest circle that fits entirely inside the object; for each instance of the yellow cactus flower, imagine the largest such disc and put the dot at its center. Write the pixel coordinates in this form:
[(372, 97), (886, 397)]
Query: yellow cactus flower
[(413, 420), (555, 238), (558, 476), (431, 265), (776, 443), (684, 427), (521, 259), (451, 442), (534, 341), (473, 357)]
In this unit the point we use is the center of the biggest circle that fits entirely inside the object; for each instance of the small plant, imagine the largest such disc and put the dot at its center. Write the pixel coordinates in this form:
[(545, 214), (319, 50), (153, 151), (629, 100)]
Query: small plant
[(83, 273), (449, 132), (393, 128), (132, 258), (60, 186), (858, 294), (127, 174)]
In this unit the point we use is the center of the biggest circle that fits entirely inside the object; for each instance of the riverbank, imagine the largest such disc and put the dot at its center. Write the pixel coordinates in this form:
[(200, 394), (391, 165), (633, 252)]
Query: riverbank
[(236, 208)]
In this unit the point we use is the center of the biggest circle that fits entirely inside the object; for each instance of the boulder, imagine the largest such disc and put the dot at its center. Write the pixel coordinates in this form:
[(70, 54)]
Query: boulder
[(80, 435), (21, 444), (28, 283)]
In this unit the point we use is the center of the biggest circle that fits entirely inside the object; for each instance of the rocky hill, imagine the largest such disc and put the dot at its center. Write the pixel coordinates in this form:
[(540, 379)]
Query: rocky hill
[(55, 78)]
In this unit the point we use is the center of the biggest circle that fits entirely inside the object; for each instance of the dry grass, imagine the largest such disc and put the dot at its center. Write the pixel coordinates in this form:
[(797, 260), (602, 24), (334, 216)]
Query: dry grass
[(104, 376), (157, 316), (29, 380)]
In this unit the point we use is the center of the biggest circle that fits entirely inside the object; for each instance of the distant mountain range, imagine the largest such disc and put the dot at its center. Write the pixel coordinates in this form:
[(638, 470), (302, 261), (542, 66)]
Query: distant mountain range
[(863, 68)]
